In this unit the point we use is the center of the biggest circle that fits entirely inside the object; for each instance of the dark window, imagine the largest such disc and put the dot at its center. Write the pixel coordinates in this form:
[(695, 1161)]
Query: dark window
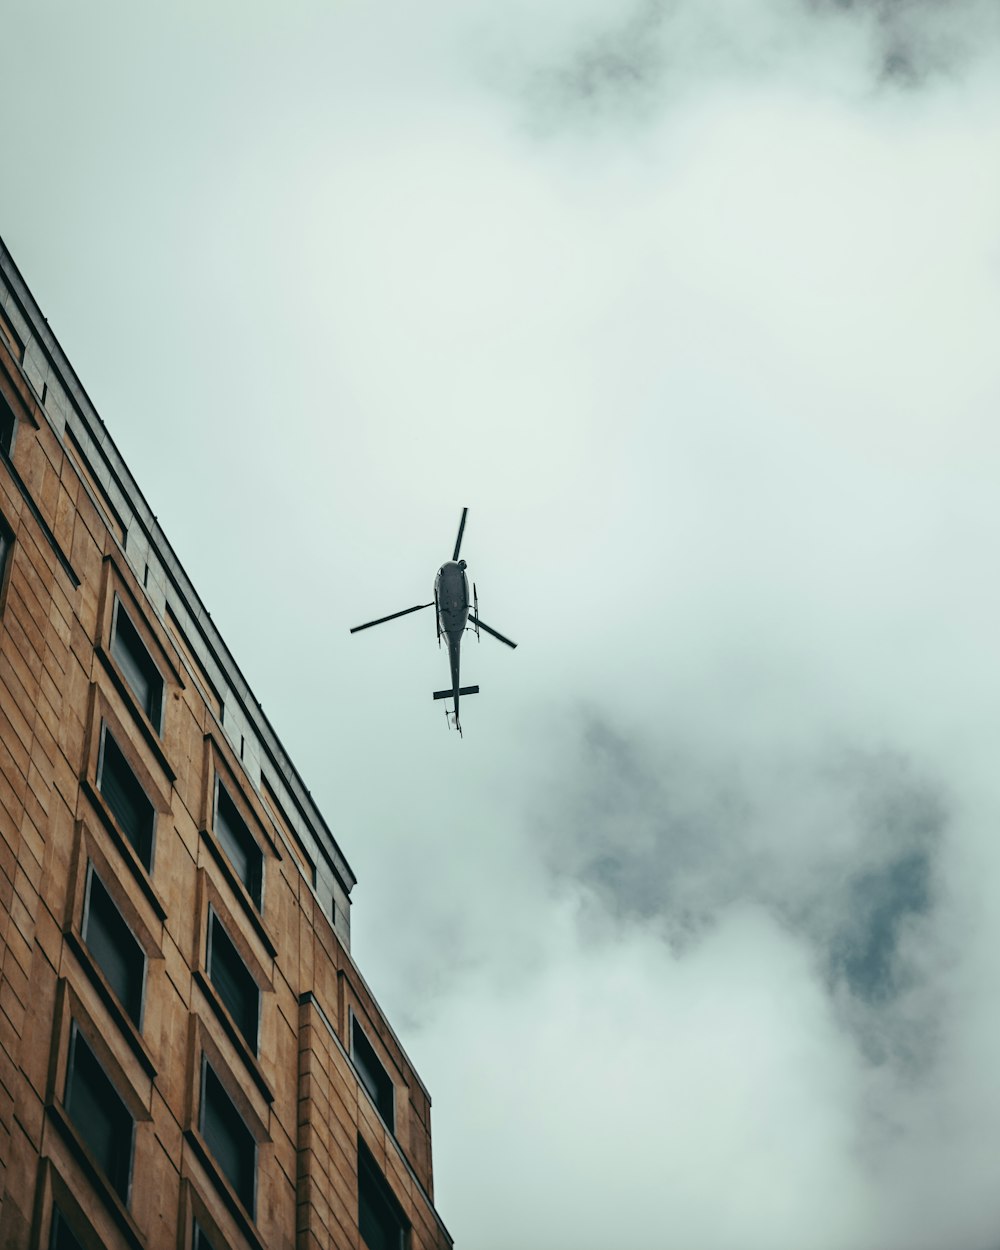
[(114, 947), (200, 1240), (100, 1116), (6, 543), (228, 1137), (128, 801), (231, 977), (62, 1236), (373, 1075), (8, 423), (382, 1224), (238, 843), (14, 340), (137, 665)]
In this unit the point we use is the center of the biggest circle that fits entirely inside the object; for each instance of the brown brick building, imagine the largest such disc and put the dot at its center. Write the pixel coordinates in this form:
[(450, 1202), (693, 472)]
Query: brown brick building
[(189, 1057)]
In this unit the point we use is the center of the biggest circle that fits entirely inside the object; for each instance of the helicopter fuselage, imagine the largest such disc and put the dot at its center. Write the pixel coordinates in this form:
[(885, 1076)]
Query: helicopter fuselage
[(451, 595)]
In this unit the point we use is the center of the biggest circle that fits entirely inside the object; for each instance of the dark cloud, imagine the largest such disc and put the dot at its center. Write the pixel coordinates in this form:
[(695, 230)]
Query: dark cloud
[(907, 816), (626, 64), (840, 845), (617, 67), (881, 901), (916, 40)]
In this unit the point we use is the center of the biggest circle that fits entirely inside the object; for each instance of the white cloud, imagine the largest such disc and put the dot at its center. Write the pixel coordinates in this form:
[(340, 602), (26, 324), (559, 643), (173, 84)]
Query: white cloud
[(704, 1101)]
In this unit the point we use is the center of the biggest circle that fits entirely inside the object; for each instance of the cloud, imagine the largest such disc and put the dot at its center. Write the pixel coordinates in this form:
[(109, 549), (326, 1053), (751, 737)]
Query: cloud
[(722, 963), (745, 1014), (840, 847), (917, 40), (600, 65), (660, 1096)]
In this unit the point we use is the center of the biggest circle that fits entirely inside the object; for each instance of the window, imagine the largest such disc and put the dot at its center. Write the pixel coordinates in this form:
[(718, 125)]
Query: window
[(373, 1075), (114, 947), (8, 423), (6, 543), (228, 1137), (231, 977), (137, 665), (129, 803), (62, 1235), (200, 1240), (14, 340), (238, 843), (100, 1116), (383, 1225)]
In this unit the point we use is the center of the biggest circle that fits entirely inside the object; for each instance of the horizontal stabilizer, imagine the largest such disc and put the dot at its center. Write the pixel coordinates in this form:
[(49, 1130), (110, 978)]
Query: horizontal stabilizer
[(446, 694)]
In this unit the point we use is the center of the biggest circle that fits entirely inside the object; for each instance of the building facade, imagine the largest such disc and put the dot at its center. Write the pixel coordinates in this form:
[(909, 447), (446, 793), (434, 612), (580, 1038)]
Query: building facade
[(189, 1057)]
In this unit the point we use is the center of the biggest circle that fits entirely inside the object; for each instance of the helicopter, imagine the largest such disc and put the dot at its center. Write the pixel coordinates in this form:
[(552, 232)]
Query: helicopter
[(452, 612)]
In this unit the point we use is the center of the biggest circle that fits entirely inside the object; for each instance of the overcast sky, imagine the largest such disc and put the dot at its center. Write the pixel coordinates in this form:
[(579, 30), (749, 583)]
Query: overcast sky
[(695, 936)]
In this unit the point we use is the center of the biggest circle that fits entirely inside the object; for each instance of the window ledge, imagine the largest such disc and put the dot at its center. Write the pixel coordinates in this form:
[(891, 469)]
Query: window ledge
[(125, 848), (240, 891), (110, 1000), (236, 1208), (95, 1174), (143, 722), (250, 1060)]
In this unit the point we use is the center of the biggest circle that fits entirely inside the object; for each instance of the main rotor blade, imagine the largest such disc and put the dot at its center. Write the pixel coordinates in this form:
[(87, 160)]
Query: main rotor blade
[(461, 531), (482, 625), (382, 619)]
